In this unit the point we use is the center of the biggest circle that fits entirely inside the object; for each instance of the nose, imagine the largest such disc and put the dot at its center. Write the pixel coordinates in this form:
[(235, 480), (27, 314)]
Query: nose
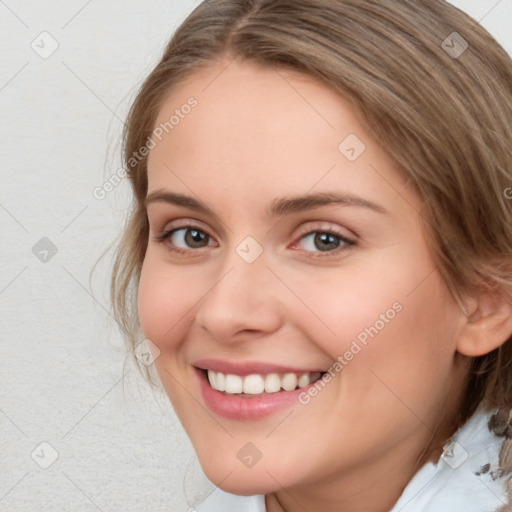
[(242, 303)]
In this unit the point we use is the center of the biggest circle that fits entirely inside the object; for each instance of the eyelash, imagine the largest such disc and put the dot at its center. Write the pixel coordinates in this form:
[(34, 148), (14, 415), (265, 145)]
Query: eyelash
[(345, 242), (163, 237)]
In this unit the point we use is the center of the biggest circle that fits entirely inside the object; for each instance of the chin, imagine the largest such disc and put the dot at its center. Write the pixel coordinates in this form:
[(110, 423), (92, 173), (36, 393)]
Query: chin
[(241, 480)]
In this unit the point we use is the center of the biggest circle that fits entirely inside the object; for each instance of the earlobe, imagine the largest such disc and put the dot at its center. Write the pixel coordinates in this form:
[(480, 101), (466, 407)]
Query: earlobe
[(488, 325)]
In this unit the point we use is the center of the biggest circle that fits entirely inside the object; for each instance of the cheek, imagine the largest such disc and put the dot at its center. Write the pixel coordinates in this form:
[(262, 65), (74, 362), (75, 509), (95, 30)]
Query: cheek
[(396, 344), (390, 314), (164, 300), (351, 303)]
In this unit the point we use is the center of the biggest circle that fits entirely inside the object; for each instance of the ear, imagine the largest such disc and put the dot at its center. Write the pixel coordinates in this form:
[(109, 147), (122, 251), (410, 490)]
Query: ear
[(488, 325)]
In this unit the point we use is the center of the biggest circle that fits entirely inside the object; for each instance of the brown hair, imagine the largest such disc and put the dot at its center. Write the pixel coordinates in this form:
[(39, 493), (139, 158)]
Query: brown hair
[(443, 114)]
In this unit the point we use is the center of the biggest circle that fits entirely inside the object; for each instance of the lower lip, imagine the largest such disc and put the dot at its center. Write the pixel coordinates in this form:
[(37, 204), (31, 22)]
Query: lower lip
[(239, 408)]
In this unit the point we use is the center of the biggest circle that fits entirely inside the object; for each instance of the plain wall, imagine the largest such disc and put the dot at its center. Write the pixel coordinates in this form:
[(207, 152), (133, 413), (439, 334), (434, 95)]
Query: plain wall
[(109, 441)]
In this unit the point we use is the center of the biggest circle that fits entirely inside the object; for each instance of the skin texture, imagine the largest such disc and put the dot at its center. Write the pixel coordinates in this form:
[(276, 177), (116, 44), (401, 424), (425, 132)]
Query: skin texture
[(258, 134)]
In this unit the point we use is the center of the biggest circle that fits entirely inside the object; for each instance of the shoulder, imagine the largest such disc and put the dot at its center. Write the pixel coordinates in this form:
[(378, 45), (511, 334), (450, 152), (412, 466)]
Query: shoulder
[(466, 477), (220, 501)]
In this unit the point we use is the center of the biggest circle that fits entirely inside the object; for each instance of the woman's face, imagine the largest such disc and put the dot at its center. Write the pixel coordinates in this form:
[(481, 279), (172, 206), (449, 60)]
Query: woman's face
[(292, 247)]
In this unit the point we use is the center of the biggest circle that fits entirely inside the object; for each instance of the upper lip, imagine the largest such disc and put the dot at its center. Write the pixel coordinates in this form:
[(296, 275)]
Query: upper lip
[(249, 367)]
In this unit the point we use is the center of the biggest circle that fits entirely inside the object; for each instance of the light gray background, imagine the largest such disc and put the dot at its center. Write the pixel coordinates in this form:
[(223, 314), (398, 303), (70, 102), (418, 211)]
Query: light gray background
[(63, 375)]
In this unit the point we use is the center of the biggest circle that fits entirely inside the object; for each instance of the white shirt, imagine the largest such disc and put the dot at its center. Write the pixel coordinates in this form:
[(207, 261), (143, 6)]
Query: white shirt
[(461, 480)]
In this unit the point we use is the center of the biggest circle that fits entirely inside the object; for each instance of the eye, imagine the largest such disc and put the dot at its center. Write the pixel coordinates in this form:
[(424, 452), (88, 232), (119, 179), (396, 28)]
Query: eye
[(190, 237), (184, 238), (324, 241)]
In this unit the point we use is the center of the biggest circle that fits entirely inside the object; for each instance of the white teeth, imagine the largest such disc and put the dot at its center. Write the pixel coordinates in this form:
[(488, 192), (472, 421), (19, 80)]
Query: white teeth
[(234, 384), (256, 384), (289, 382), (304, 380), (212, 377), (253, 384), (221, 382), (272, 383)]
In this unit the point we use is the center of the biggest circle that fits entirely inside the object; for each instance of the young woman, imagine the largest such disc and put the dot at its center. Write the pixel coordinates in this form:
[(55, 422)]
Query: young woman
[(320, 253)]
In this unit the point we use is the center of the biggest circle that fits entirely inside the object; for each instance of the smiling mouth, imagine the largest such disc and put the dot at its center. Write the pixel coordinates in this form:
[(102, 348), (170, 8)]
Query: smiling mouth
[(258, 384)]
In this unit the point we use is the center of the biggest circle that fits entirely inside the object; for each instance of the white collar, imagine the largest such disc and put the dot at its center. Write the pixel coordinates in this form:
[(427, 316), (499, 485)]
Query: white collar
[(464, 478)]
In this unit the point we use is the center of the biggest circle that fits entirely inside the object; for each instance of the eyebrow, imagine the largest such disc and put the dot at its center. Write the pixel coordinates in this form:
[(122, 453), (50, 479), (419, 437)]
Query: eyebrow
[(286, 206), (164, 196), (280, 207)]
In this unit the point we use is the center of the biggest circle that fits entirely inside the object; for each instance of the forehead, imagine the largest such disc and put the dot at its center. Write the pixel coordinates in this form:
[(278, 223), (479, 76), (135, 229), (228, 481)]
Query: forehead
[(259, 129)]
